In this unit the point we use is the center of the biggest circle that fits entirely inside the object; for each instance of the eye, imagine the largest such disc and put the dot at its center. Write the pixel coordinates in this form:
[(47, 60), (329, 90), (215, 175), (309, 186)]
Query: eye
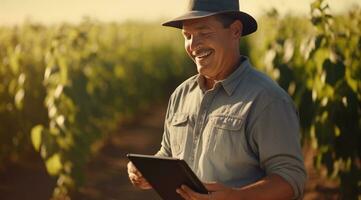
[(205, 33)]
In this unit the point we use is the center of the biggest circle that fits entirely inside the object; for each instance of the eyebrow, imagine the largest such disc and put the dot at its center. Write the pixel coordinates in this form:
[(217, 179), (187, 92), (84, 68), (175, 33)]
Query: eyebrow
[(202, 27)]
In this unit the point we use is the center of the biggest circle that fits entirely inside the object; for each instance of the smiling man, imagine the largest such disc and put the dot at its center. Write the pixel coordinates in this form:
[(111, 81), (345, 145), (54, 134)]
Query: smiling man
[(235, 127)]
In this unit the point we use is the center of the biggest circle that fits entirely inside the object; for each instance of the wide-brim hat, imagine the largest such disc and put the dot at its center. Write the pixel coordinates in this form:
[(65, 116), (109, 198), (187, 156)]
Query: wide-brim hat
[(205, 8)]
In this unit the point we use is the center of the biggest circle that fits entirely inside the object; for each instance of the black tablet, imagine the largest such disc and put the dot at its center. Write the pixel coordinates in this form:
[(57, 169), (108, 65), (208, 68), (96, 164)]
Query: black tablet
[(166, 175)]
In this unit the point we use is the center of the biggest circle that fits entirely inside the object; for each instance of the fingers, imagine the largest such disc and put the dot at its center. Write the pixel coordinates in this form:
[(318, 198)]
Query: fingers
[(183, 194), (189, 194), (214, 186), (219, 191), (144, 185), (139, 181), (136, 177), (133, 169)]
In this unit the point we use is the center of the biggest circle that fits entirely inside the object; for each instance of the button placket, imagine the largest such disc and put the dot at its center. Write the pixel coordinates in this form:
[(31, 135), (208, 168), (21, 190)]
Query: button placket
[(200, 121)]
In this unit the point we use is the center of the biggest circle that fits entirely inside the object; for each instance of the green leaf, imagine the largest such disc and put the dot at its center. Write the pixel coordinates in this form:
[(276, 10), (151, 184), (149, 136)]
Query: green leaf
[(53, 164), (14, 63), (36, 134), (63, 70), (19, 96), (12, 87), (316, 4)]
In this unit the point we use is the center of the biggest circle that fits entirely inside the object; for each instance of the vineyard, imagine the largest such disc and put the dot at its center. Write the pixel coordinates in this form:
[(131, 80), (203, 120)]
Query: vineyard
[(64, 88)]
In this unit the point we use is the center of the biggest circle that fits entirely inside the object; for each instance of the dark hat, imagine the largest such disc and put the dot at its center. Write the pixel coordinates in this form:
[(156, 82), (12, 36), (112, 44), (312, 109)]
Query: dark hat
[(204, 8)]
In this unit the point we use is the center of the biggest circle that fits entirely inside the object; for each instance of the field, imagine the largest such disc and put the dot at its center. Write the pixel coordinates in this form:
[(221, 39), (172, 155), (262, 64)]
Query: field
[(65, 89)]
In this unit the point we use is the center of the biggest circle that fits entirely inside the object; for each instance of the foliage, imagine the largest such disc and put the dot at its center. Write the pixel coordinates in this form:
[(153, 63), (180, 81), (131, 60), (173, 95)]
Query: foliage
[(319, 65), (64, 87)]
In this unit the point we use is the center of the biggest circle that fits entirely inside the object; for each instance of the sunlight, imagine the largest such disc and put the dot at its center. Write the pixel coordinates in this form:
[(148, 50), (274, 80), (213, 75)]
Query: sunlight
[(53, 11)]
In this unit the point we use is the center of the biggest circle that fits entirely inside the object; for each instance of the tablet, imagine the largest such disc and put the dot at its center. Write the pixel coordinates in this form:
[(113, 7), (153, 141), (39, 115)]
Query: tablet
[(166, 174)]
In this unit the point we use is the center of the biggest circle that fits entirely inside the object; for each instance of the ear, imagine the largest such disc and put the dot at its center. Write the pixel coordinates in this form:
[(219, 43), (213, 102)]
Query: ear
[(236, 28)]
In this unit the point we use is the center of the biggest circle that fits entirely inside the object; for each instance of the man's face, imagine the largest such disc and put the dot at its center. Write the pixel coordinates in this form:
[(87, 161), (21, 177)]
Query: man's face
[(211, 46)]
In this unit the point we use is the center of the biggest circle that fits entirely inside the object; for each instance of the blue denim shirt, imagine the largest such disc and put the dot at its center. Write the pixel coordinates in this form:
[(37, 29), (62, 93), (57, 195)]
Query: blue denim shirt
[(242, 130)]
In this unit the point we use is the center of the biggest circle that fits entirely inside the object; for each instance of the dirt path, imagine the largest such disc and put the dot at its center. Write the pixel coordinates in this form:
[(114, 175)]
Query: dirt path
[(26, 180), (106, 175)]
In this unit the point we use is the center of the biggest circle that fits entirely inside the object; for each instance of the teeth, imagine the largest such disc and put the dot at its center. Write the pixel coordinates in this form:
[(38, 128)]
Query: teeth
[(203, 54)]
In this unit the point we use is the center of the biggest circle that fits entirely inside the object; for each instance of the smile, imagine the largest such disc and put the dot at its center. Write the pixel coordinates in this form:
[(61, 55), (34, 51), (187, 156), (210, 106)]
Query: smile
[(203, 54)]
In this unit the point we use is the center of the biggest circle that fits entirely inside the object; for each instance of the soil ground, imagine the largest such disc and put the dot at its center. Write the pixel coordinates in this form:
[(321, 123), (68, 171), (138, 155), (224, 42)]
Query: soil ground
[(106, 174)]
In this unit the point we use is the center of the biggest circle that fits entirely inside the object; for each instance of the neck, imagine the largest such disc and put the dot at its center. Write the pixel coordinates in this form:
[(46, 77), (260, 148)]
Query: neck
[(210, 81)]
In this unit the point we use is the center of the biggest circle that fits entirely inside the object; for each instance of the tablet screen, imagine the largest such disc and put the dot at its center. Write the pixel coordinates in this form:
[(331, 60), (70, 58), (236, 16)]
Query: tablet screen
[(166, 174)]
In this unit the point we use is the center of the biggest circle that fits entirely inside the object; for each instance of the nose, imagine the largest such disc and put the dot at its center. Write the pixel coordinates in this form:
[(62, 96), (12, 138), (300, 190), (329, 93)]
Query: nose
[(194, 43)]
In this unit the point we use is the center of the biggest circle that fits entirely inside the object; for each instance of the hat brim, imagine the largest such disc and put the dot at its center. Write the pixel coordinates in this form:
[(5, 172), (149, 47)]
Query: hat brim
[(249, 23)]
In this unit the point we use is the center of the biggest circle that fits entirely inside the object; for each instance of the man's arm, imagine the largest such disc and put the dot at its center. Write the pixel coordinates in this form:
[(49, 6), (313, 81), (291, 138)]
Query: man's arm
[(272, 187), (275, 138)]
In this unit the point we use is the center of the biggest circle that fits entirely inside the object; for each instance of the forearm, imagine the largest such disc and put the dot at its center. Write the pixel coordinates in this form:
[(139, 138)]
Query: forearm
[(269, 188)]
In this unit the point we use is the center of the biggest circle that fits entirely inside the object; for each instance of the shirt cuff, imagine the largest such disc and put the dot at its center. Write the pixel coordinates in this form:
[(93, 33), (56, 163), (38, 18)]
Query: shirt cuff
[(297, 183)]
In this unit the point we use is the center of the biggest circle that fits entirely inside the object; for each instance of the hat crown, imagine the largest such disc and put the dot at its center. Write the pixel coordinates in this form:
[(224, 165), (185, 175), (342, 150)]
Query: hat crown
[(204, 8), (213, 5)]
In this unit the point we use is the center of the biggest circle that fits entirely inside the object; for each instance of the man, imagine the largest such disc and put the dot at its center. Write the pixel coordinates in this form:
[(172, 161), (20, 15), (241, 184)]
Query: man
[(236, 128)]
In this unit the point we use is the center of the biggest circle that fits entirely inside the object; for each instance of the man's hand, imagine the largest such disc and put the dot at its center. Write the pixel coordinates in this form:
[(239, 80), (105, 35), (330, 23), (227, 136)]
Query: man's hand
[(216, 192), (137, 178), (272, 187)]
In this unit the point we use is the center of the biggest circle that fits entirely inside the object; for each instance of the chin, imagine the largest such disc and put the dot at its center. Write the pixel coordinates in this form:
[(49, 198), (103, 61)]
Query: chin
[(204, 72)]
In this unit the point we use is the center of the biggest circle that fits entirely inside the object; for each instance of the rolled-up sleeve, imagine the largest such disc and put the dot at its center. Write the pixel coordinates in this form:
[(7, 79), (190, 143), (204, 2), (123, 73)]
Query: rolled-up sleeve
[(275, 135)]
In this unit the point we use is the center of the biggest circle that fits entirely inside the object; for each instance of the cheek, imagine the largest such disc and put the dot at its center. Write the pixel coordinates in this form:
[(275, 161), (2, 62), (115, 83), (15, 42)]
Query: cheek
[(187, 48)]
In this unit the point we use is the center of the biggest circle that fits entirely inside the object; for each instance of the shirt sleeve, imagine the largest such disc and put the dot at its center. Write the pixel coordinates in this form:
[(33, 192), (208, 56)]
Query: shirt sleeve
[(165, 149), (275, 136)]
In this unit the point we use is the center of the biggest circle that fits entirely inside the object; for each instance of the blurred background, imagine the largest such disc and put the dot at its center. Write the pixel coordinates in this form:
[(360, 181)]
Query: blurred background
[(84, 82)]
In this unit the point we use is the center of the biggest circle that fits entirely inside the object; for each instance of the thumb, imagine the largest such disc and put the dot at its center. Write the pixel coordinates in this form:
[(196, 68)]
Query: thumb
[(213, 186)]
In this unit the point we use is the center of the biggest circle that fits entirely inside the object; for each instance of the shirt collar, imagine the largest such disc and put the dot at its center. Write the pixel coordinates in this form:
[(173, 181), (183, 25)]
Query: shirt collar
[(230, 83)]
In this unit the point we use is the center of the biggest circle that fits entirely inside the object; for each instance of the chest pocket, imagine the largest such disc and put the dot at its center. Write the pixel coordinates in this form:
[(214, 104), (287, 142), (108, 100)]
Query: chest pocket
[(226, 123), (179, 127), (226, 137)]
